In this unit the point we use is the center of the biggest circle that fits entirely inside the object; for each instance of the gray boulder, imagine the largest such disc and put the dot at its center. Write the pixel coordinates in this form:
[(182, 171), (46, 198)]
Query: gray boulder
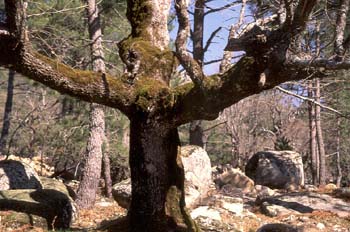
[(18, 175), (198, 176), (52, 202), (276, 169), (198, 180), (122, 193)]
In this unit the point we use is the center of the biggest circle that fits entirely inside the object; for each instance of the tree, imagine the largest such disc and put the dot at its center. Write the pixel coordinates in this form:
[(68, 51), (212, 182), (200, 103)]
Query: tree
[(155, 110), (7, 113), (86, 194)]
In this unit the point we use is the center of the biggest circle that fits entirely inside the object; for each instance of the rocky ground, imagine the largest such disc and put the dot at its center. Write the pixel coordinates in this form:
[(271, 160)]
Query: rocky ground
[(221, 213)]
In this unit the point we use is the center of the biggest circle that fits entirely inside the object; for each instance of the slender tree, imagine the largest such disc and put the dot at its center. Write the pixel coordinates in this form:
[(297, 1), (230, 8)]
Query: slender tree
[(154, 108), (312, 132), (7, 112), (86, 194)]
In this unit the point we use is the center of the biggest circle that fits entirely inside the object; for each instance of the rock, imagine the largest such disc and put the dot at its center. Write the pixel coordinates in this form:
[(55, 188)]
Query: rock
[(197, 168), (237, 179), (17, 175), (303, 202), (38, 163), (320, 226), (310, 188), (342, 193), (276, 169), (264, 191), (273, 210), (198, 181), (209, 225), (277, 227), (122, 193), (233, 205), (52, 202), (207, 212), (330, 187)]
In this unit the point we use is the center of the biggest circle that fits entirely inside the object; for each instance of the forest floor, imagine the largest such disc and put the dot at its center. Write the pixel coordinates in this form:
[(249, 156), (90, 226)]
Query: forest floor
[(107, 209)]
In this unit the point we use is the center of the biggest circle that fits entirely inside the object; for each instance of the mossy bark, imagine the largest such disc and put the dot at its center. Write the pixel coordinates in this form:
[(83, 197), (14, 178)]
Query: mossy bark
[(157, 179)]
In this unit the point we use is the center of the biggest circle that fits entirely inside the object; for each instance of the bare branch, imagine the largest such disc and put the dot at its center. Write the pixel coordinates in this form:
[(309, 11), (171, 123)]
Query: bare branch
[(313, 101), (210, 40), (227, 57), (252, 31), (301, 16), (192, 67), (227, 6)]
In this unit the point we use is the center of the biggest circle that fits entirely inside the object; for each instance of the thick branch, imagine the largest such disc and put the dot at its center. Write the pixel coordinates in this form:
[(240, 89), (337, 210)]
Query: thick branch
[(89, 86), (325, 64), (221, 91)]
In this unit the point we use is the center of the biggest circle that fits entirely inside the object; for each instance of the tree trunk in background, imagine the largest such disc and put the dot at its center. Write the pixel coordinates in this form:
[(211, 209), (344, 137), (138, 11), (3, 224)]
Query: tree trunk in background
[(196, 133), (313, 142), (339, 171), (7, 113), (196, 129), (86, 194), (320, 142), (107, 169)]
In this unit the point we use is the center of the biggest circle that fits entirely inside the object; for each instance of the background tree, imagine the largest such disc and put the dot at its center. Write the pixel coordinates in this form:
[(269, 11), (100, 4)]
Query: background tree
[(7, 113), (86, 194)]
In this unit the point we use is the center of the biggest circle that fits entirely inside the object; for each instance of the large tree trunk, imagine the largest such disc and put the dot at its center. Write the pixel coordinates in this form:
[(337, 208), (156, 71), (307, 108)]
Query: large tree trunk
[(320, 142), (313, 142), (7, 113), (157, 179), (86, 195)]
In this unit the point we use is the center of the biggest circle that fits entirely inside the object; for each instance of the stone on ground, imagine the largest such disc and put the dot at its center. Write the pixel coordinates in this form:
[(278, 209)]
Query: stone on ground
[(276, 169)]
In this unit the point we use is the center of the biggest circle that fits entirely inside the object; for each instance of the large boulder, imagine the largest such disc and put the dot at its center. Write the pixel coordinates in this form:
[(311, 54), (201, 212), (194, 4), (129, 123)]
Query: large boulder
[(18, 175), (236, 179), (276, 169), (198, 180), (197, 168), (51, 202)]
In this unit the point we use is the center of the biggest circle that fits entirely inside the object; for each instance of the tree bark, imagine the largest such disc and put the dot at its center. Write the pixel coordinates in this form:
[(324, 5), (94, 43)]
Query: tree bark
[(196, 133), (107, 169), (343, 9), (312, 132), (7, 113), (196, 128), (339, 170), (86, 194), (320, 142), (157, 179)]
